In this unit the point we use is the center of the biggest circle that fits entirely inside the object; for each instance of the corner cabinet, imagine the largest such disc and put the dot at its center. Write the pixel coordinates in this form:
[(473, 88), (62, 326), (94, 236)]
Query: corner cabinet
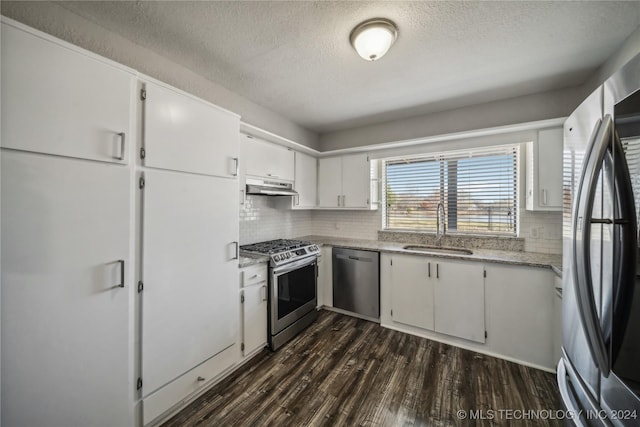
[(344, 182), (544, 171), (441, 296)]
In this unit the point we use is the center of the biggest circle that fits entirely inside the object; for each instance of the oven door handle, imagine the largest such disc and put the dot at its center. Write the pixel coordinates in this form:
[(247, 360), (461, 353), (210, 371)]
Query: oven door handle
[(283, 269)]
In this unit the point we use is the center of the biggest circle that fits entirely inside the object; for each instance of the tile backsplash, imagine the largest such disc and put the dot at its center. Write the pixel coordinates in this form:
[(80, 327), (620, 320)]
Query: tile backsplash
[(265, 218)]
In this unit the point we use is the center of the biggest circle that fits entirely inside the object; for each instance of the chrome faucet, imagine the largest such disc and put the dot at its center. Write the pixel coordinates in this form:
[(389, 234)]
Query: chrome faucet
[(438, 222)]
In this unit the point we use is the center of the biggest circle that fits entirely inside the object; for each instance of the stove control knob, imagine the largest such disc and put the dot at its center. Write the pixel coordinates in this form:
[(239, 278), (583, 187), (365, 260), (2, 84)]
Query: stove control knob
[(277, 257), (288, 255)]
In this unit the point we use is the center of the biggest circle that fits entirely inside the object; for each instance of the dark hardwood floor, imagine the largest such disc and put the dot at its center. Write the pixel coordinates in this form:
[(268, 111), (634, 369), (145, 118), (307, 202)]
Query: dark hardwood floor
[(346, 371)]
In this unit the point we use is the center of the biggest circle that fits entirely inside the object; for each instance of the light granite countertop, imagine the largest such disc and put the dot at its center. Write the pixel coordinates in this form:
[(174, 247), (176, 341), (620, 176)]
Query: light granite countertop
[(531, 259), (246, 261)]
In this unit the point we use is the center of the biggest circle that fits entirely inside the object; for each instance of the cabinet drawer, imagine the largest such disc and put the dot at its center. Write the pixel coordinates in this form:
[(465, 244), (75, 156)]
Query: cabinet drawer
[(253, 275), (181, 390)]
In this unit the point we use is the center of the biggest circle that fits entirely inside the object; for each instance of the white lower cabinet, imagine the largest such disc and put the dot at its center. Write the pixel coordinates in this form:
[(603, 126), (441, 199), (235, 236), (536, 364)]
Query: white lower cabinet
[(253, 299), (442, 296), (452, 302), (459, 299), (411, 291), (67, 286)]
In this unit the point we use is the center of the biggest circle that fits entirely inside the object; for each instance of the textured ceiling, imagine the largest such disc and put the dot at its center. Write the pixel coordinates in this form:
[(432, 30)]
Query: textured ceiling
[(295, 57)]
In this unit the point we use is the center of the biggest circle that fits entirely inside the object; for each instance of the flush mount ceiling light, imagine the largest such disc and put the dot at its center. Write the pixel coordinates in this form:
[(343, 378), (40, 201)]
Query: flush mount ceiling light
[(373, 38)]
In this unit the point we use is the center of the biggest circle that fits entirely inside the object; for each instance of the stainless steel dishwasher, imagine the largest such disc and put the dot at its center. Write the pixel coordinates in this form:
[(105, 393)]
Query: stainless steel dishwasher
[(356, 282)]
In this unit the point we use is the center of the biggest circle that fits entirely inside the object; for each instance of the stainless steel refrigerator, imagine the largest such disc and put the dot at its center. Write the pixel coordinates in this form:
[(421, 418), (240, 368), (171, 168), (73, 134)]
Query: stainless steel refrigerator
[(599, 372)]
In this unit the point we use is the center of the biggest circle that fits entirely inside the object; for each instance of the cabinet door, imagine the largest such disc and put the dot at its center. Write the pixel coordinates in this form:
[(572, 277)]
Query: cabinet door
[(412, 291), (190, 272), (356, 181), (329, 182), (459, 299), (183, 133), (550, 168), (267, 160), (59, 101), (65, 319), (306, 183), (254, 317)]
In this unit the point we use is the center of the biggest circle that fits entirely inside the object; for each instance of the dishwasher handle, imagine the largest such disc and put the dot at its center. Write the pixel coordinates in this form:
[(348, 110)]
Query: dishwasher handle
[(353, 258)]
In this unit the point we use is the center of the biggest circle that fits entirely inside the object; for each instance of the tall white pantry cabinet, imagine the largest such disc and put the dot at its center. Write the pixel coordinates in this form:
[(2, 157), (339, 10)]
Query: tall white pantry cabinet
[(119, 283)]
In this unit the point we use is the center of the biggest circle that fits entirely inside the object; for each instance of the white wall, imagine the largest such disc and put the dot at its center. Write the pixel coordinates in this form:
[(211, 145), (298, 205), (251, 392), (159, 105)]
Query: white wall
[(54, 19), (542, 106)]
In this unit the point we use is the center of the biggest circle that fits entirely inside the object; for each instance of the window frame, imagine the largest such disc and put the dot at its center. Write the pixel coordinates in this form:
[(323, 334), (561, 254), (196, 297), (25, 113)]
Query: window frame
[(446, 192)]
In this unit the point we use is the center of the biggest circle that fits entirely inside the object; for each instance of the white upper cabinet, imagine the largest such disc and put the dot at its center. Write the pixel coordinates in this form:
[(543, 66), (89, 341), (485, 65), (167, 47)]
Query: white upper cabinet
[(306, 181), (184, 133), (59, 100), (329, 182), (267, 160), (344, 182), (544, 171)]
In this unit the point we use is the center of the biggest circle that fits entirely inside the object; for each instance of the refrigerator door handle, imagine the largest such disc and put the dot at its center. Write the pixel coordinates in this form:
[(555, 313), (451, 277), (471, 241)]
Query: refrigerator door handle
[(582, 244)]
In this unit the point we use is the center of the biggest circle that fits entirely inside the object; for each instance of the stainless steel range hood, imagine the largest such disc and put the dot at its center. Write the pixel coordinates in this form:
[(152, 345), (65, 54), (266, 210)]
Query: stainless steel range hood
[(265, 187)]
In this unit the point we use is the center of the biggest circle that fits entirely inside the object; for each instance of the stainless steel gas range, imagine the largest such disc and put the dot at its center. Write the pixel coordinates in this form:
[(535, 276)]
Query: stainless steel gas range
[(293, 273)]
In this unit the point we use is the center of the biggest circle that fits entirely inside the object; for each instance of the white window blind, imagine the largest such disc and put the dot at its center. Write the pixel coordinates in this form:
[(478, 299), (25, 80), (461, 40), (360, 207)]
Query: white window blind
[(478, 189)]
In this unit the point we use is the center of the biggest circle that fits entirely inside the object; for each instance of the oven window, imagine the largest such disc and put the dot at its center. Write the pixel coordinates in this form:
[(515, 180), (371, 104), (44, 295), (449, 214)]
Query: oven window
[(296, 289)]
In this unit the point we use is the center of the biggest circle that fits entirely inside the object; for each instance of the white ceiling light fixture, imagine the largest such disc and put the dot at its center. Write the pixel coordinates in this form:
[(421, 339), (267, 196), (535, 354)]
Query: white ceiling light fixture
[(373, 38)]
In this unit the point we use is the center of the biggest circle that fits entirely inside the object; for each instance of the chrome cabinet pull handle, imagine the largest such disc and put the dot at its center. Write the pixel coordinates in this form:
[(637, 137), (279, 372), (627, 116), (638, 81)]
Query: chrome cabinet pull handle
[(338, 200), (122, 136), (243, 198), (200, 379), (429, 269), (121, 284), (437, 271), (344, 201), (264, 298), (237, 251), (235, 169)]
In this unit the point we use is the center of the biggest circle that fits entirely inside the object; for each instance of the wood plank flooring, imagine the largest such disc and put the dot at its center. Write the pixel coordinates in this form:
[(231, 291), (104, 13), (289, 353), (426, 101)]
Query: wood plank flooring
[(344, 371)]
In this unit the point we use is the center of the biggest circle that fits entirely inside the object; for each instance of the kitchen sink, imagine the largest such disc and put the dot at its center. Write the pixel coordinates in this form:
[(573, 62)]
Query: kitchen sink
[(439, 249)]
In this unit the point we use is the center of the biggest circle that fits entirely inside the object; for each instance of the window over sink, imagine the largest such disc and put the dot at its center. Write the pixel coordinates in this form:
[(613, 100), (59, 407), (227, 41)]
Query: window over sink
[(477, 187)]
